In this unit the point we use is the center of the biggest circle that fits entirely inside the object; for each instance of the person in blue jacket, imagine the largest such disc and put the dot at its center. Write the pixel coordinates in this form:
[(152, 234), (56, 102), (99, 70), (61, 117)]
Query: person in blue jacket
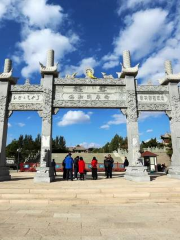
[(69, 167)]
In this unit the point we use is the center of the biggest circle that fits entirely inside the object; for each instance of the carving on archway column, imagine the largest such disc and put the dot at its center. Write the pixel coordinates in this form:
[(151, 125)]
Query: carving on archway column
[(55, 111), (10, 113)]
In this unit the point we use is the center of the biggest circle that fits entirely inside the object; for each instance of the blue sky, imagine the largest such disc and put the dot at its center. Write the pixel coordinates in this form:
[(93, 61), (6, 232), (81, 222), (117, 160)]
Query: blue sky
[(92, 33)]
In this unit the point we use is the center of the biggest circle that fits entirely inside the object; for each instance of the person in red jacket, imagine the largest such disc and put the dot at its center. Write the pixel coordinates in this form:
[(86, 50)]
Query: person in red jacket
[(94, 163), (81, 165)]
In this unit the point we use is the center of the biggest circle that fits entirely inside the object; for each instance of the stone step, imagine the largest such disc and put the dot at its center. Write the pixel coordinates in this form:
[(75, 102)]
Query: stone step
[(90, 196), (92, 202)]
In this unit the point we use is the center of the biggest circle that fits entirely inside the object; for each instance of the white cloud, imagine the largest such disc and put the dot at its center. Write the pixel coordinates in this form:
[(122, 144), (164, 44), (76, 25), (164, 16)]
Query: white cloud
[(74, 117), (41, 14), (35, 46), (138, 4), (90, 113), (141, 35), (106, 126), (144, 115), (149, 130), (153, 67), (21, 124), (117, 120), (86, 62), (90, 145), (39, 21), (9, 125)]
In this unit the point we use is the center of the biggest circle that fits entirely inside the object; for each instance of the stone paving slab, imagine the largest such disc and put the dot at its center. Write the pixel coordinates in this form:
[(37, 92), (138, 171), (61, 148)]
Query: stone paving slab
[(108, 209)]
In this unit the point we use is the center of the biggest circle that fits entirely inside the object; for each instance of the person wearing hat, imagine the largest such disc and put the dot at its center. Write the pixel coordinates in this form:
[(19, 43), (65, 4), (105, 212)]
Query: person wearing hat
[(68, 162), (94, 163)]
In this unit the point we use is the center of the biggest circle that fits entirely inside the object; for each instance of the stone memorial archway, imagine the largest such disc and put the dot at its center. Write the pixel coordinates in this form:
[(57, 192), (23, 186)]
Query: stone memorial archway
[(54, 93)]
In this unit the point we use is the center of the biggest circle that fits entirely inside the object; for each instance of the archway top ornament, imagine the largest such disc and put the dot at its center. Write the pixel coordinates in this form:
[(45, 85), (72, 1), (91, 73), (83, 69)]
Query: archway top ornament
[(50, 68), (169, 76), (8, 72)]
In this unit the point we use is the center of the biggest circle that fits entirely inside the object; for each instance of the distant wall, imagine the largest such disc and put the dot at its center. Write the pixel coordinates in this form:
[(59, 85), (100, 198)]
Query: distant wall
[(161, 152)]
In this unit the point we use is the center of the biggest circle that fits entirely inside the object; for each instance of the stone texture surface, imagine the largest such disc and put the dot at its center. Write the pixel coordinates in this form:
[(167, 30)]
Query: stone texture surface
[(106, 209)]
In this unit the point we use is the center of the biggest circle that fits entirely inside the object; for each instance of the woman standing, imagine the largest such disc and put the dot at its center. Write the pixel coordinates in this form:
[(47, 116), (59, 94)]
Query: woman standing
[(81, 165), (94, 163)]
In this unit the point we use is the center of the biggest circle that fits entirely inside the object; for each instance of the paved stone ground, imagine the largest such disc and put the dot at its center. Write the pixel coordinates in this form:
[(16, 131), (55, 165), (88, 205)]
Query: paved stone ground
[(106, 209)]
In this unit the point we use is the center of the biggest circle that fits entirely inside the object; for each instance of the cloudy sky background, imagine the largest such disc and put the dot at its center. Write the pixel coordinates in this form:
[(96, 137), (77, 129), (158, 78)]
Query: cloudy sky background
[(92, 33)]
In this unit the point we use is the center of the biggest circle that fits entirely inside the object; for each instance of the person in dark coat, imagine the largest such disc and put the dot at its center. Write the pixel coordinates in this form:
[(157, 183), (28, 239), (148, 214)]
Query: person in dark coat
[(69, 167), (105, 165), (126, 162), (53, 164), (64, 168), (81, 165), (76, 168), (110, 162), (94, 163)]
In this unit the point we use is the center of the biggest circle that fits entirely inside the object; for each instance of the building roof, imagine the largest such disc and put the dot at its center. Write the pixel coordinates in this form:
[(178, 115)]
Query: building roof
[(80, 148), (148, 154), (166, 135)]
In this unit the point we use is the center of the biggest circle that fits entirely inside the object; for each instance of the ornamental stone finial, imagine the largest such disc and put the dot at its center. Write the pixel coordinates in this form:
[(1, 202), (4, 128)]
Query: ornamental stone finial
[(169, 76), (168, 67), (50, 68), (126, 59), (7, 73), (127, 70), (50, 58), (7, 65)]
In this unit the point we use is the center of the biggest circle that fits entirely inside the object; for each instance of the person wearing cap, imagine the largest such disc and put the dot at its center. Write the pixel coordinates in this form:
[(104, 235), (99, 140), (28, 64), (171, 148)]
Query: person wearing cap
[(69, 167), (94, 163)]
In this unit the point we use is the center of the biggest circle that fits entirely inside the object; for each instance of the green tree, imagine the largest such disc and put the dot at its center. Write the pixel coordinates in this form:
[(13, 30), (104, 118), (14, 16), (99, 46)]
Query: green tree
[(169, 149)]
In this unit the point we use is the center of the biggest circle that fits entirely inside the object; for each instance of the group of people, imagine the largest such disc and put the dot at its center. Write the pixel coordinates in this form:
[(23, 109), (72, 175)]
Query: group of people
[(77, 165)]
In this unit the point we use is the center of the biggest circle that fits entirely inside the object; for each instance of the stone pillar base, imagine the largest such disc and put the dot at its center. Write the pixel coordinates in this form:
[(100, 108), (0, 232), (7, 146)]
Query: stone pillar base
[(137, 174), (174, 172), (44, 175), (4, 174)]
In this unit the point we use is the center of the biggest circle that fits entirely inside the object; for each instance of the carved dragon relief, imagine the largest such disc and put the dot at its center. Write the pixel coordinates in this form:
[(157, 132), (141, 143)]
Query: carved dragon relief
[(84, 81), (26, 88), (175, 112), (47, 105), (132, 114), (3, 100), (92, 104), (150, 88)]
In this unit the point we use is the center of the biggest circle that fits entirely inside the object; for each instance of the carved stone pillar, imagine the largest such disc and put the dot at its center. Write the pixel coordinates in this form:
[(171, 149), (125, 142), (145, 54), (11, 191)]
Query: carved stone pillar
[(4, 171), (45, 171), (174, 115), (6, 79), (135, 171)]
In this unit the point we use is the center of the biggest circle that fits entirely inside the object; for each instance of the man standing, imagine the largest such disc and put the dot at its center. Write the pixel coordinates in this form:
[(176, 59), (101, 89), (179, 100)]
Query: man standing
[(53, 164), (76, 169), (126, 162), (110, 162), (105, 165), (69, 167)]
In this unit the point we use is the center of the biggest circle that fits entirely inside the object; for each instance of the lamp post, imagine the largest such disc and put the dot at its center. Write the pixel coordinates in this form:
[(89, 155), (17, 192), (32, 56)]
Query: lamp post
[(18, 151)]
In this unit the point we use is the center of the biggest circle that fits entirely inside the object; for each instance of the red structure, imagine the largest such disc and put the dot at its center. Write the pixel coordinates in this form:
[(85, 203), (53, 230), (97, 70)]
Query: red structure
[(31, 167)]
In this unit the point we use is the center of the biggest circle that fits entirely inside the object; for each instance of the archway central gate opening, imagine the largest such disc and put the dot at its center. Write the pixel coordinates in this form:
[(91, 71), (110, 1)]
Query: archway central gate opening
[(54, 93)]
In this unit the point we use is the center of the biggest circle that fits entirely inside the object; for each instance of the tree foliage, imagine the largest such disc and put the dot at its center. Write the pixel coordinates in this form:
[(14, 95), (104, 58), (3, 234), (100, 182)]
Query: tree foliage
[(28, 146), (151, 143), (115, 143)]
